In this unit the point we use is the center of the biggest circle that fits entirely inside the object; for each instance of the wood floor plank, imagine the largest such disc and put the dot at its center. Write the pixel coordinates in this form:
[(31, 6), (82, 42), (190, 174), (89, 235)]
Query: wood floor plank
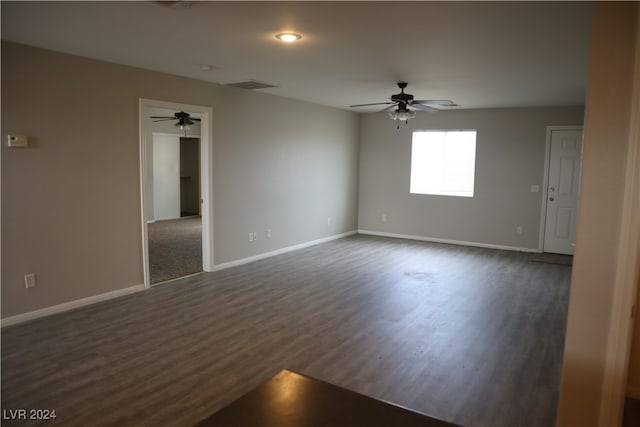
[(469, 335)]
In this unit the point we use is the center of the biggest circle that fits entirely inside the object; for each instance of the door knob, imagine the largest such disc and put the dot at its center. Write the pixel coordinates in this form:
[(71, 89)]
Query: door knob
[(551, 199)]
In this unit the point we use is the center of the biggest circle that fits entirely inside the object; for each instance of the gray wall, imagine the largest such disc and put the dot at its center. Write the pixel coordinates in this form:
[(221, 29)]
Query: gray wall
[(510, 151), (282, 165), (71, 201)]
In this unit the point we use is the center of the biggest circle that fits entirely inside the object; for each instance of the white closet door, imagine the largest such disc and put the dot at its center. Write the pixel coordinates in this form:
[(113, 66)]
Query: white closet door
[(166, 176)]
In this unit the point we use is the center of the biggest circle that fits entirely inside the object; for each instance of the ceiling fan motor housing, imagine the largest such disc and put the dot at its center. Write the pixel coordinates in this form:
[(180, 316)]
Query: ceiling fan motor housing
[(402, 98)]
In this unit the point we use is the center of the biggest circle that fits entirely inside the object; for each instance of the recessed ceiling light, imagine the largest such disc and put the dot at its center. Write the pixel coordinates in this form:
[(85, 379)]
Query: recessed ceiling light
[(288, 37)]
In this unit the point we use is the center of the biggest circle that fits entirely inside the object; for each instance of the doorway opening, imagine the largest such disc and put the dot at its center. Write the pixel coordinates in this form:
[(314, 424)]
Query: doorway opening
[(175, 170)]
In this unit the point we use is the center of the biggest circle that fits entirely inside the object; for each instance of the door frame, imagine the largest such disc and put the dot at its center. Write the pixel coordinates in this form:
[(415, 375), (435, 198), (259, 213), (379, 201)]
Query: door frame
[(206, 139), (545, 180)]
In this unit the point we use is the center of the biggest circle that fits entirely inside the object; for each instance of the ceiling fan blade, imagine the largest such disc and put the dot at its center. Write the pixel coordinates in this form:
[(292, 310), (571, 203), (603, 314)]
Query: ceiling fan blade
[(388, 108), (164, 120), (161, 117), (375, 103), (445, 102), (193, 118), (424, 108)]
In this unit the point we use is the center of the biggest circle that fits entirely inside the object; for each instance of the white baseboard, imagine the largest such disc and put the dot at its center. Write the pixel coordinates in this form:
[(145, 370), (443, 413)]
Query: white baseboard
[(633, 392), (19, 318), (281, 251), (13, 320), (47, 311), (449, 241)]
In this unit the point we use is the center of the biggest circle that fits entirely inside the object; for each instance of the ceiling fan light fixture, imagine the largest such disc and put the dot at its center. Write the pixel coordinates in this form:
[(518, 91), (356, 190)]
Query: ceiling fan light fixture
[(185, 125), (288, 37), (185, 128), (402, 115)]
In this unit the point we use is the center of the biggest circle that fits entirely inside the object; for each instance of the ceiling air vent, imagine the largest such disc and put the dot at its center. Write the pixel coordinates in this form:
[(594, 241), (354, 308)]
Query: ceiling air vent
[(180, 4), (250, 85)]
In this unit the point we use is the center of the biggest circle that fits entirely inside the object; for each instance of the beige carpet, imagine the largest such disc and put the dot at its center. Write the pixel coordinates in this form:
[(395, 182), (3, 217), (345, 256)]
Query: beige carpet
[(175, 248)]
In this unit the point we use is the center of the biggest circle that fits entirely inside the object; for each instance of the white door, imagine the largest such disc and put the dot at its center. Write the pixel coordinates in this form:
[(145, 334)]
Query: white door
[(562, 191), (166, 176)]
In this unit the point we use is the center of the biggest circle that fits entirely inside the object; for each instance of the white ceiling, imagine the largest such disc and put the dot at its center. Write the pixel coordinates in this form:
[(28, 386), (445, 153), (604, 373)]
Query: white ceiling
[(479, 54)]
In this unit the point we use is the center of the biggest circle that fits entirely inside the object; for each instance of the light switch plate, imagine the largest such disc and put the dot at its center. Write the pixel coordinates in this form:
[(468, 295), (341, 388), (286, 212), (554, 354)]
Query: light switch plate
[(29, 280), (17, 140)]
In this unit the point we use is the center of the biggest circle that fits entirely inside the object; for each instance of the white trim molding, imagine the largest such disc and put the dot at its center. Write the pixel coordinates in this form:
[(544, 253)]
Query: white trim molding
[(206, 143), (448, 241), (66, 306), (281, 251), (20, 318), (620, 332)]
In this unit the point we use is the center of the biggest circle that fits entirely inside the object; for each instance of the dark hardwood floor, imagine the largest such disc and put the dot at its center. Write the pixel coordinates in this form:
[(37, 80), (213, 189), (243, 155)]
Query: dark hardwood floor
[(631, 413), (469, 335)]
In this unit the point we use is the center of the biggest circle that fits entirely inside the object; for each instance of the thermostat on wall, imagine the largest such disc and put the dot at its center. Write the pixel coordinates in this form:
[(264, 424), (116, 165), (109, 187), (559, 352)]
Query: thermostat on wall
[(17, 140)]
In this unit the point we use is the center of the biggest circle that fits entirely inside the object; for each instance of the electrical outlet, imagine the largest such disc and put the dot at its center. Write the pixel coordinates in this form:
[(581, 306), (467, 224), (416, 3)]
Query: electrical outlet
[(384, 217), (268, 233), (251, 236), (255, 235), (30, 280), (328, 220), (519, 229)]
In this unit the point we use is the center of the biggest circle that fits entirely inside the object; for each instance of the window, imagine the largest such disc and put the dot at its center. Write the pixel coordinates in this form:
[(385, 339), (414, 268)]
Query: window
[(443, 162)]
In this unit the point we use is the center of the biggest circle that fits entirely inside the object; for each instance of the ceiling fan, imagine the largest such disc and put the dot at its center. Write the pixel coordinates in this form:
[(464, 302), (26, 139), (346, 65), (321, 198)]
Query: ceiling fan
[(184, 120), (405, 106)]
